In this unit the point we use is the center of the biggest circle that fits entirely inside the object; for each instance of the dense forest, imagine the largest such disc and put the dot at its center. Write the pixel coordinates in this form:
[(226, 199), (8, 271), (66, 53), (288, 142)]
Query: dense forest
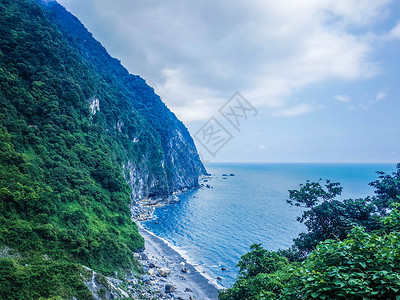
[(351, 249), (77, 134), (69, 127)]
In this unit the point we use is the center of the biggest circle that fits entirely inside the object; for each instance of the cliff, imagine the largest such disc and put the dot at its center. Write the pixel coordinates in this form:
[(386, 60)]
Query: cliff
[(178, 165), (81, 141)]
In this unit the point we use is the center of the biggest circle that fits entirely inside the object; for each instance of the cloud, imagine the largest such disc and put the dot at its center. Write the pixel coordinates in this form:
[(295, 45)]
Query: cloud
[(196, 54), (342, 98), (394, 33), (296, 110), (364, 106), (380, 96)]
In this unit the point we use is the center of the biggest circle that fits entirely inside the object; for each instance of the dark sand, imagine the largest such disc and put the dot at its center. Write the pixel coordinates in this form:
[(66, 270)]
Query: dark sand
[(162, 255)]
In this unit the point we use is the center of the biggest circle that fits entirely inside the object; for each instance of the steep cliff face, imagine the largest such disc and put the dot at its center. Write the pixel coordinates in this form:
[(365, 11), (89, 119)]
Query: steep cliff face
[(178, 165)]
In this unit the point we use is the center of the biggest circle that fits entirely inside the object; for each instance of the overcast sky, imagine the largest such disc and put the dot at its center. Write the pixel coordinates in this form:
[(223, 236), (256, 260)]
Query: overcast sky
[(321, 77)]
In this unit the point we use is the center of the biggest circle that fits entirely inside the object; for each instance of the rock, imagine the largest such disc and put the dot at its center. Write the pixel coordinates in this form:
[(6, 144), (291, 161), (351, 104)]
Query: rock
[(185, 270), (179, 298), (164, 272), (152, 265), (182, 263), (219, 278), (223, 269), (187, 290), (133, 281), (143, 256), (146, 278), (169, 288), (151, 272)]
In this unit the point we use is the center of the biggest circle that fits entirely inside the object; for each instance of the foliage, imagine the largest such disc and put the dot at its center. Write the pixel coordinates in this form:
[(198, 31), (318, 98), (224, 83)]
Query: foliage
[(362, 266), (261, 272), (387, 190), (355, 254), (259, 260), (62, 187), (326, 217), (37, 277)]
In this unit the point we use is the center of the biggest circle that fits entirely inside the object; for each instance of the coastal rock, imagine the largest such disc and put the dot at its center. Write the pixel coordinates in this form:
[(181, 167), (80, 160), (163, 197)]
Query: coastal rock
[(164, 272), (169, 288), (151, 272), (152, 265), (146, 278), (185, 270), (143, 256), (187, 290)]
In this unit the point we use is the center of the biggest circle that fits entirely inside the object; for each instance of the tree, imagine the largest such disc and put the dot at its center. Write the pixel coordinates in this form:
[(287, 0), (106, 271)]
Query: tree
[(387, 190), (326, 217), (363, 266)]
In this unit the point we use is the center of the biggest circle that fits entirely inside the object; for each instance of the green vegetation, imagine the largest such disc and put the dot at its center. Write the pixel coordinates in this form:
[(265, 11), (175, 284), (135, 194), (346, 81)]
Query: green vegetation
[(64, 201), (351, 249)]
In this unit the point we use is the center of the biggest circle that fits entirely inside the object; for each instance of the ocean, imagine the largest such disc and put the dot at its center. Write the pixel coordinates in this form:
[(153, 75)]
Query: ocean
[(212, 227)]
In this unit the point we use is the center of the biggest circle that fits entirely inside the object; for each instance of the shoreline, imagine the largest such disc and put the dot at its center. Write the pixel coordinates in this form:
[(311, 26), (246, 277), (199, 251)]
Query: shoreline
[(169, 272)]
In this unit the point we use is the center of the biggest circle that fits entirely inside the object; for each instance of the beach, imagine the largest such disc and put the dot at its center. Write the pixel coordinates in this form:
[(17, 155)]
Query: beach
[(168, 272)]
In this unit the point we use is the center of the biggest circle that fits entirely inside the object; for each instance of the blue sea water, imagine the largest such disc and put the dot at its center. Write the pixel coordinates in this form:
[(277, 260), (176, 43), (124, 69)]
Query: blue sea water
[(214, 226)]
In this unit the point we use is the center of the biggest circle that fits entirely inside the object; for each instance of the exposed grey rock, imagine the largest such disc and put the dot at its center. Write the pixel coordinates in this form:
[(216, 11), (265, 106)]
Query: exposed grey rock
[(169, 288), (164, 272), (146, 278), (8, 252), (143, 256), (102, 287)]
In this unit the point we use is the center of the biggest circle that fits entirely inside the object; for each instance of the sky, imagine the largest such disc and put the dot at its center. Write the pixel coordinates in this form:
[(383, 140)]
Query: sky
[(265, 81)]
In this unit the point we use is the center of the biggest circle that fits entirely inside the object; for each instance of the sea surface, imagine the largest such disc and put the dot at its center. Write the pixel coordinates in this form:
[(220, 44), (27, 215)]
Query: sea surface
[(214, 226)]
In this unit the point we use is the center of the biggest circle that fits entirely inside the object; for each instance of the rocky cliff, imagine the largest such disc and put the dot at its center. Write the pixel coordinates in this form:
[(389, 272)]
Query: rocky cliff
[(178, 165)]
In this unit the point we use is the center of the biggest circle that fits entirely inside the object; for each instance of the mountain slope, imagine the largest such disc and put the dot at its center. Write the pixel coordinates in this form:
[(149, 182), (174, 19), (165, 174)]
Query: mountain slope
[(80, 139), (180, 162)]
